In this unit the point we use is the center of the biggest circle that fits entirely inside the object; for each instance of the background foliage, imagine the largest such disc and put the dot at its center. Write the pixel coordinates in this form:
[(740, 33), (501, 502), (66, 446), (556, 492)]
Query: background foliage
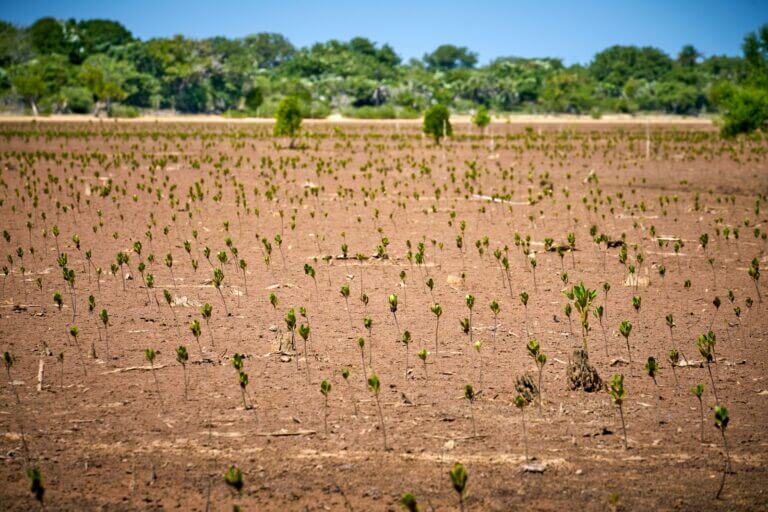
[(58, 66)]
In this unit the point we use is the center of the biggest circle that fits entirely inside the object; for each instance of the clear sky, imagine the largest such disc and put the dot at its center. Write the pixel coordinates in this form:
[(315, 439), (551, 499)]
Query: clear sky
[(573, 30)]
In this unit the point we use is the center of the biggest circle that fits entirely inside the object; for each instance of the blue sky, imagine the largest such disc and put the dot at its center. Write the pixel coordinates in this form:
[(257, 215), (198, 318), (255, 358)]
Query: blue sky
[(572, 30)]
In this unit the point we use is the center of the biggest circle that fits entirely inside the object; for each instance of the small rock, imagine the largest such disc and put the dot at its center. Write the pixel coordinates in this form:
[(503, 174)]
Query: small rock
[(534, 467)]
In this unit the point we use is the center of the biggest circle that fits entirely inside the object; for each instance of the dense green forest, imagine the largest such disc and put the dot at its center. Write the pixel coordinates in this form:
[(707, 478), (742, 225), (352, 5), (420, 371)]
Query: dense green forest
[(57, 66)]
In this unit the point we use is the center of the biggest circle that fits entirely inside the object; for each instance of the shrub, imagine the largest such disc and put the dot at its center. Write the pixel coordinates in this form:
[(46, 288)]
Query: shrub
[(288, 118), (117, 110), (371, 112), (437, 122), (78, 100), (744, 110)]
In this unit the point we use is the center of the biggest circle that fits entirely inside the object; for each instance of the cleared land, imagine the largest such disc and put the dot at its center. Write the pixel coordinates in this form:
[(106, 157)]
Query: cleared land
[(107, 435)]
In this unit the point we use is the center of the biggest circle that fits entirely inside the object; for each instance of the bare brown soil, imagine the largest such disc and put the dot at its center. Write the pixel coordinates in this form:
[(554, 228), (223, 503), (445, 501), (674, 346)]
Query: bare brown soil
[(105, 439)]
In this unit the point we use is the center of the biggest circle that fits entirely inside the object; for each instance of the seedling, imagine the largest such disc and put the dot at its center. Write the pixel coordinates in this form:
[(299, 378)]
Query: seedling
[(182, 357), (36, 486), (408, 503), (345, 293), (304, 331), (345, 374), (437, 310), (521, 403), (673, 356), (234, 479), (459, 480), (651, 368), (721, 422), (598, 313), (325, 389), (423, 354), (393, 309), (290, 323), (361, 345), (218, 279), (74, 331), (205, 311), (698, 391), (8, 362), (495, 309), (194, 327), (406, 340), (470, 301), (524, 300), (242, 378), (534, 350), (618, 395), (706, 345), (374, 386), (625, 328), (150, 354), (469, 394), (754, 273)]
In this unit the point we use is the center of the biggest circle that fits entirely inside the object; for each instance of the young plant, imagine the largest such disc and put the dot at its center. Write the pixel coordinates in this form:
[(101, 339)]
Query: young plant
[(618, 395), (290, 324), (304, 331), (150, 354), (36, 486), (521, 403), (393, 309), (470, 395), (409, 504), (361, 345), (598, 313), (74, 331), (345, 293), (495, 309), (218, 279), (524, 300), (406, 340), (754, 273), (437, 310), (206, 310), (651, 368), (8, 363), (182, 356), (540, 358), (459, 480), (368, 324), (234, 479), (374, 386), (194, 327), (325, 389), (625, 328), (706, 345), (698, 391), (423, 354), (673, 356), (721, 422), (470, 301), (242, 379), (345, 375)]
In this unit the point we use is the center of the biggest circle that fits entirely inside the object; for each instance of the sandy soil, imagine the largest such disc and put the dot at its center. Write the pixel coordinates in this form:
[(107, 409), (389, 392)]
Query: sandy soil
[(108, 436)]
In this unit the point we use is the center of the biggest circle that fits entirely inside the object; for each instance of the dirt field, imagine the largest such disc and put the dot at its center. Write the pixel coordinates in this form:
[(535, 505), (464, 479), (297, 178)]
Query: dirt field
[(110, 432)]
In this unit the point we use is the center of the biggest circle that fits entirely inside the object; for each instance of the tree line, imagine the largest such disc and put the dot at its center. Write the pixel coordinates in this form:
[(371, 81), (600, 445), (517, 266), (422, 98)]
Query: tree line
[(98, 66)]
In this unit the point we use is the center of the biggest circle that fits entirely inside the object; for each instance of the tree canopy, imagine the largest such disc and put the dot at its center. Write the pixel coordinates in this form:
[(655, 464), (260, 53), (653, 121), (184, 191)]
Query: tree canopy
[(52, 61)]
